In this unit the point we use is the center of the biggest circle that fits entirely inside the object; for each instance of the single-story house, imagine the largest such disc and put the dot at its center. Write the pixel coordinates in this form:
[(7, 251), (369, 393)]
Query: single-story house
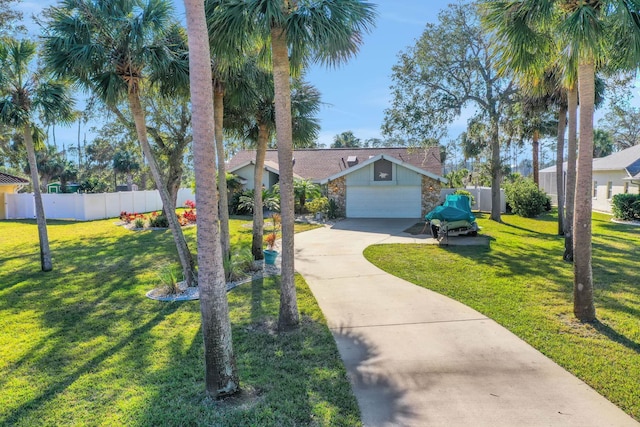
[(364, 182), (614, 174), (9, 184)]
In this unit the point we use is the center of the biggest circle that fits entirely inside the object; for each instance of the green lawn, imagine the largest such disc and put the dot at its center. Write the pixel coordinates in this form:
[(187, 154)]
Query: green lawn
[(82, 345), (522, 283)]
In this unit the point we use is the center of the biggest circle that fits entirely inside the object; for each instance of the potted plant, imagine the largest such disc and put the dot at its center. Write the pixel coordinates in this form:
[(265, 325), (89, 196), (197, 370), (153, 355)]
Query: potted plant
[(270, 253)]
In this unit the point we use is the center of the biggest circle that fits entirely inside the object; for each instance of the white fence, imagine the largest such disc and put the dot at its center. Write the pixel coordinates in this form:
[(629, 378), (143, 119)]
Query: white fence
[(481, 196), (87, 207)]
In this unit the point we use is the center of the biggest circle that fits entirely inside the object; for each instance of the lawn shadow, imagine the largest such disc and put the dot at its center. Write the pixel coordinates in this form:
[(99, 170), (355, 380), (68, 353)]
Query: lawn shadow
[(52, 390), (614, 335)]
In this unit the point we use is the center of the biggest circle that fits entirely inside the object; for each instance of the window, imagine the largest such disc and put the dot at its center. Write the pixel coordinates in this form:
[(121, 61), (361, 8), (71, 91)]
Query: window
[(383, 170), (595, 189), (609, 190)]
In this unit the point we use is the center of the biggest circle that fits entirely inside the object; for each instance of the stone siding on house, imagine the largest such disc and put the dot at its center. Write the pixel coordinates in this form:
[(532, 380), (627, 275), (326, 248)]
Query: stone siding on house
[(337, 191), (430, 194)]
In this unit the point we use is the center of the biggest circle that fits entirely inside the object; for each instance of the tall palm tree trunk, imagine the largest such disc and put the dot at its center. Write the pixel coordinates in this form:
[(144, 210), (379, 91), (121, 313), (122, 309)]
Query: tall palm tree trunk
[(570, 190), (186, 260), (45, 253), (535, 146), (495, 171), (583, 307), (218, 111), (288, 317), (562, 124), (221, 377), (258, 218)]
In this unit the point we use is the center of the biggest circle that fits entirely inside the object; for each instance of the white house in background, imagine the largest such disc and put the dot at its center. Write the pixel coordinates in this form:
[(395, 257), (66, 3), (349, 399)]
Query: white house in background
[(614, 174)]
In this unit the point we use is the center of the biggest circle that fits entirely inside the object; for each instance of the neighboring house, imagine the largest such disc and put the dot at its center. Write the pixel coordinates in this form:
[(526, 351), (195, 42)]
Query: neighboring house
[(364, 182), (614, 174), (56, 188), (9, 184)]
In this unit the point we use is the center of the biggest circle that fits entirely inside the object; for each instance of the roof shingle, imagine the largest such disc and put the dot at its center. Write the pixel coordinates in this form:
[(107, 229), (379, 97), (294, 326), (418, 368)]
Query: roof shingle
[(5, 178), (319, 163)]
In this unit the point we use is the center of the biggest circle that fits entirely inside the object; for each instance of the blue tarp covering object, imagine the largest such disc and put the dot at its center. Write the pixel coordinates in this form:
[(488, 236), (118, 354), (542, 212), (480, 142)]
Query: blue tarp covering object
[(455, 208)]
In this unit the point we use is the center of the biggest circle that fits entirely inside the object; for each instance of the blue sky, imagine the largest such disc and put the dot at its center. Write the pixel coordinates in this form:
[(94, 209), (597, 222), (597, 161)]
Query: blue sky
[(357, 93)]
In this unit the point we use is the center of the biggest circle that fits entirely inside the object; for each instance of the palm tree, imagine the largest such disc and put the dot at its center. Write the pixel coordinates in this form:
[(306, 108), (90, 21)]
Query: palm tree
[(329, 31), (25, 93), (115, 48), (124, 162), (305, 189), (591, 32), (221, 374), (251, 116)]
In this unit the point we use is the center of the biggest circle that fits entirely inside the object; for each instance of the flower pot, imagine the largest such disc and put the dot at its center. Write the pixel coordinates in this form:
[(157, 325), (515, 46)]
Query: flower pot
[(270, 256)]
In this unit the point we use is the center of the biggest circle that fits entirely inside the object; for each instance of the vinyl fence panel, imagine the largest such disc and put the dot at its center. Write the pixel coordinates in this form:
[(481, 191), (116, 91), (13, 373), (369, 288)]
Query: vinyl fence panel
[(87, 207)]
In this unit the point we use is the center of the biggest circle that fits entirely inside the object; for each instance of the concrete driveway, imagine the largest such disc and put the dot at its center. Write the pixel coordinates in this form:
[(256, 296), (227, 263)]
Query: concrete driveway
[(417, 358)]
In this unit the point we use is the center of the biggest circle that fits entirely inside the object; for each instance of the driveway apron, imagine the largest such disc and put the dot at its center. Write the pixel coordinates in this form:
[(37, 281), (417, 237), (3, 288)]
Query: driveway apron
[(417, 358)]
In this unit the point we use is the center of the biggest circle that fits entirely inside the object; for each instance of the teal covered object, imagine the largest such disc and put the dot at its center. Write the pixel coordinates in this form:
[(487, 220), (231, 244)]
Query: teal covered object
[(456, 207)]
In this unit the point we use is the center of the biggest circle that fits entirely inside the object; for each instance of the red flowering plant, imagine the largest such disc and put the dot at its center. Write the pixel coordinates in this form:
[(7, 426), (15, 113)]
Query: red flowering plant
[(129, 217), (270, 240), (190, 204)]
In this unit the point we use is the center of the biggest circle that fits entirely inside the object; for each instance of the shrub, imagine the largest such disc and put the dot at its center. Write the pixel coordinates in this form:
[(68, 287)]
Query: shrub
[(190, 204), (239, 264), (139, 223), (243, 203), (525, 198), (334, 210), (319, 204), (158, 220), (626, 206), (169, 283)]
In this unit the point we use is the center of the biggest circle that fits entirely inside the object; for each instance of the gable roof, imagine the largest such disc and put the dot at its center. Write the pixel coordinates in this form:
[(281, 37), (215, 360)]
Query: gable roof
[(5, 178), (627, 159), (318, 164), (385, 157)]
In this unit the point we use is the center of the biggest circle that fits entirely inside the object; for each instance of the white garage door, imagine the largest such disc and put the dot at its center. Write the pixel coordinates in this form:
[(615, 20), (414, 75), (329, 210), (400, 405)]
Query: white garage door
[(383, 202)]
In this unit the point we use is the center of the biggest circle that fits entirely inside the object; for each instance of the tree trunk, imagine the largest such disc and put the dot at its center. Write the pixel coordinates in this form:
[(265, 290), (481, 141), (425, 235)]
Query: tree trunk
[(583, 307), (186, 260), (45, 253), (221, 376), (218, 111), (495, 171), (562, 124), (129, 181), (258, 219), (535, 145), (570, 189), (174, 174), (289, 317)]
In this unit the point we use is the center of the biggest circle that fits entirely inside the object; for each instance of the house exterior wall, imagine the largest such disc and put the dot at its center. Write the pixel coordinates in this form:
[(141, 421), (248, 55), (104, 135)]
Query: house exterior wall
[(401, 176), (548, 185), (601, 202), (337, 191), (8, 189), (430, 194), (247, 172)]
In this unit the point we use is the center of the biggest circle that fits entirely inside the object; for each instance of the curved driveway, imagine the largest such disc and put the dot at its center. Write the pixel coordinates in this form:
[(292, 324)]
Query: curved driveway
[(417, 358)]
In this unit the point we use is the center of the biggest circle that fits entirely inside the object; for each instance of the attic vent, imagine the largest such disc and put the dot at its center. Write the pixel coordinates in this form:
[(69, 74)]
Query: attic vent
[(352, 160)]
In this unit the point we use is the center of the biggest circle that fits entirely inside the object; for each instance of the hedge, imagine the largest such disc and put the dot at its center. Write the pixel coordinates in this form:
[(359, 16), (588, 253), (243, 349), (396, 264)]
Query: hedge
[(626, 206)]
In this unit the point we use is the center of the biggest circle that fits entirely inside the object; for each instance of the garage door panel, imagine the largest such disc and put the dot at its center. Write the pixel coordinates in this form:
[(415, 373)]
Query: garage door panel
[(383, 202)]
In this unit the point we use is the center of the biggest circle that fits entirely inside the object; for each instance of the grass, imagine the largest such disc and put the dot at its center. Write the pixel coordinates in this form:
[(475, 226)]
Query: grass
[(523, 284), (81, 345)]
